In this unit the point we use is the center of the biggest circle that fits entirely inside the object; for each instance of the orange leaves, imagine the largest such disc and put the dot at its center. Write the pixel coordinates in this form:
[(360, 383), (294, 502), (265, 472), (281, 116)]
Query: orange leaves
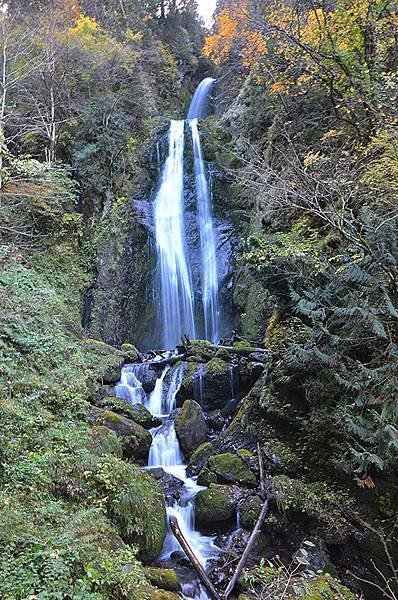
[(235, 34), (219, 45), (279, 88)]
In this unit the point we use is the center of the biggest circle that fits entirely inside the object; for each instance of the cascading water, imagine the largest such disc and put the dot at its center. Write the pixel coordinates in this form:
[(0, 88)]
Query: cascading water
[(175, 269), (198, 110), (130, 387), (207, 241), (165, 452), (175, 280)]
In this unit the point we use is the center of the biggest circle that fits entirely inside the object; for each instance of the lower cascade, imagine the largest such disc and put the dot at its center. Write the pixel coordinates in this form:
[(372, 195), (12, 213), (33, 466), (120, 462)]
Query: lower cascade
[(165, 453)]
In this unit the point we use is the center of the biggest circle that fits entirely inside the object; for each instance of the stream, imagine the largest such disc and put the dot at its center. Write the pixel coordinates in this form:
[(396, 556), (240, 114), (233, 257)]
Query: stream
[(180, 315), (165, 453)]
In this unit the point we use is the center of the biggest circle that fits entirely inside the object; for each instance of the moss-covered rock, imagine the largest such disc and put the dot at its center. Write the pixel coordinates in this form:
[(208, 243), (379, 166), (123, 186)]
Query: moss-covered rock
[(130, 353), (206, 477), (229, 468), (190, 425), (215, 505), (137, 413), (199, 457), (325, 587), (166, 579), (163, 595), (250, 510), (136, 440)]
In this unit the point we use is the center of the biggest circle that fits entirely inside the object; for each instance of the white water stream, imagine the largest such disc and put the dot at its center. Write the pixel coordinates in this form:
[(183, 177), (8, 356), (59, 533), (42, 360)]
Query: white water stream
[(175, 279), (165, 452), (179, 314)]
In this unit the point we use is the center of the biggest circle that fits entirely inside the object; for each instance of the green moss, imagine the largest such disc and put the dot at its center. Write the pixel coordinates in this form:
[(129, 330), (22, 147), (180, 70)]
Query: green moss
[(244, 453), (243, 345), (200, 456), (326, 587), (166, 579), (231, 469), (206, 477), (217, 366), (215, 504), (250, 511)]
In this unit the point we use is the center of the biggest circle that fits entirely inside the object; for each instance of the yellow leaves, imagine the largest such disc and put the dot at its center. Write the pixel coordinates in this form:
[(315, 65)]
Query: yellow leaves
[(85, 29), (234, 32), (133, 37), (331, 134)]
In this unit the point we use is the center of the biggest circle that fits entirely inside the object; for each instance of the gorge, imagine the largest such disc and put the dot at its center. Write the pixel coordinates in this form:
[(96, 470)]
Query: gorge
[(198, 300)]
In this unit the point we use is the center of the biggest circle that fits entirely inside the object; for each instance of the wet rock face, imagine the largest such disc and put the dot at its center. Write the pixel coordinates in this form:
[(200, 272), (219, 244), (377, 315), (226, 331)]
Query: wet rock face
[(172, 486), (135, 440), (190, 425)]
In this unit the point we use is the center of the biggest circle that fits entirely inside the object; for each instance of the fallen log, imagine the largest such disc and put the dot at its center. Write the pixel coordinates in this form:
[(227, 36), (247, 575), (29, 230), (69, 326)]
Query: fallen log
[(175, 528), (254, 535), (252, 539), (166, 361)]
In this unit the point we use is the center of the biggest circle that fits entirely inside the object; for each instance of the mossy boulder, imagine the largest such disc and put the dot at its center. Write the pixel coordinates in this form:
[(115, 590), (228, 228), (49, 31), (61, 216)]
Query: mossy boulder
[(137, 413), (250, 510), (206, 477), (216, 380), (163, 595), (199, 458), (215, 505), (135, 440), (130, 353), (229, 468), (325, 587), (165, 579), (190, 425)]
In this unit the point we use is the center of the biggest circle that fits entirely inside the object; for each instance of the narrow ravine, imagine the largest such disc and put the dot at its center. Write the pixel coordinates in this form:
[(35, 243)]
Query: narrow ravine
[(165, 453)]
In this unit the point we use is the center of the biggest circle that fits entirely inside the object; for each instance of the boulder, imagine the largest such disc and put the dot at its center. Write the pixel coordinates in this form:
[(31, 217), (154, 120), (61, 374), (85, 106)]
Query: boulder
[(137, 413), (190, 426), (215, 505), (172, 486), (216, 381), (199, 458), (136, 440), (130, 353), (165, 579), (229, 468), (250, 510)]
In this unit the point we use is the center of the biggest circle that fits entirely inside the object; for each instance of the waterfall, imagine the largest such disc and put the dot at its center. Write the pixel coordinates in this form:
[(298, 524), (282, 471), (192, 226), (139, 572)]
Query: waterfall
[(207, 241), (199, 108), (130, 387), (176, 289), (175, 279)]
